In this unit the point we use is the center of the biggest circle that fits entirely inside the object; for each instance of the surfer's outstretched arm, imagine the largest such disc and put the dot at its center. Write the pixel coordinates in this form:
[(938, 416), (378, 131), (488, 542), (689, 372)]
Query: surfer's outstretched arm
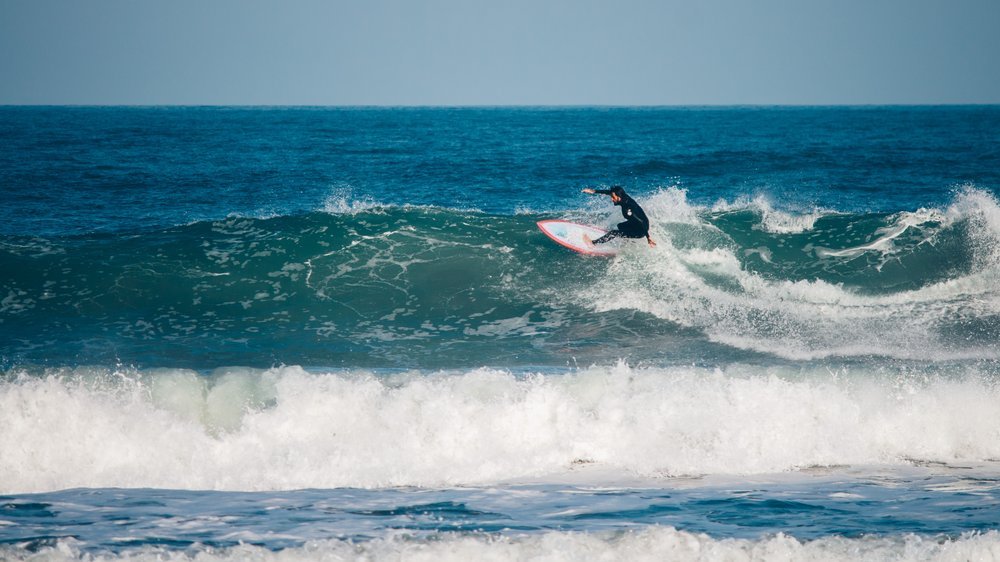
[(596, 191)]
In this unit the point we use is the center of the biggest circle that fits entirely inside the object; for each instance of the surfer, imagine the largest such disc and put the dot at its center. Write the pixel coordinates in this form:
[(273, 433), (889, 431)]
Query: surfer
[(636, 223)]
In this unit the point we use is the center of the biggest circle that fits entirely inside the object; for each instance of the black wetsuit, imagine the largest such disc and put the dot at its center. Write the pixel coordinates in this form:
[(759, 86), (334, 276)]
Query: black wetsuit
[(636, 223)]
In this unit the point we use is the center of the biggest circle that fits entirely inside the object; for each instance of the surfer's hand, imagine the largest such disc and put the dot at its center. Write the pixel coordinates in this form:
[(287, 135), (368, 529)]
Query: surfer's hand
[(588, 190), (651, 243)]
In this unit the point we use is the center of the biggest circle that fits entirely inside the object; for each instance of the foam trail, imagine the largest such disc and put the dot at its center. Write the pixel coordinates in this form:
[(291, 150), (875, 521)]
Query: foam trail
[(694, 278), (289, 429)]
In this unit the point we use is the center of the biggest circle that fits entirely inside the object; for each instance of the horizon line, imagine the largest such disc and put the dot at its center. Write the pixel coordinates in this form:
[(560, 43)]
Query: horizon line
[(499, 106)]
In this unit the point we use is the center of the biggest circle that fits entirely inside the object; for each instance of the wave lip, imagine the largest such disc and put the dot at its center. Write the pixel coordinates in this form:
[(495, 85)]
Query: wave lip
[(288, 429), (773, 220)]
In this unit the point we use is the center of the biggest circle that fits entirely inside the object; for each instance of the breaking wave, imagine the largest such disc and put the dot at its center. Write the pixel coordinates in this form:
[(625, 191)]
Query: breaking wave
[(369, 285), (286, 428)]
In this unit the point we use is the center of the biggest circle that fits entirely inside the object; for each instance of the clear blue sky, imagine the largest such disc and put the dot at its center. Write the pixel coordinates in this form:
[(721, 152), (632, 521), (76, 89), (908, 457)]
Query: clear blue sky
[(516, 52)]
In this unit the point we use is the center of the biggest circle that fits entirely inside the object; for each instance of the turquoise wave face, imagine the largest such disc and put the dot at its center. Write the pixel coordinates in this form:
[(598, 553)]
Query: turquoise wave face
[(389, 286), (406, 286)]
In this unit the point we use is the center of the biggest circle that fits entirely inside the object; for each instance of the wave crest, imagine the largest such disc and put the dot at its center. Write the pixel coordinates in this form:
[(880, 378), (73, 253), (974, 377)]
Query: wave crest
[(697, 278)]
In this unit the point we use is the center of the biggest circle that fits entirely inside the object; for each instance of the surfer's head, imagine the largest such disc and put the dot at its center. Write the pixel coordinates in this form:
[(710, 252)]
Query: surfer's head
[(617, 193)]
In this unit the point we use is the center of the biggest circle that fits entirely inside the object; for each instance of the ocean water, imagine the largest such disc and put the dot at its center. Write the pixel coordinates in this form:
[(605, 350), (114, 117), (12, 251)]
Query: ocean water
[(336, 334)]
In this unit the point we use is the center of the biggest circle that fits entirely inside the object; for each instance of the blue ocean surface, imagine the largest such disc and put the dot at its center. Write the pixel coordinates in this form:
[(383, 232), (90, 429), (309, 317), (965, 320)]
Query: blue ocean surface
[(337, 333)]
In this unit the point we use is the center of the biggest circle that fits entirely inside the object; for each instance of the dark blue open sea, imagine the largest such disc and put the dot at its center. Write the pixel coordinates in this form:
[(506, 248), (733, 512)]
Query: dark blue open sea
[(336, 333)]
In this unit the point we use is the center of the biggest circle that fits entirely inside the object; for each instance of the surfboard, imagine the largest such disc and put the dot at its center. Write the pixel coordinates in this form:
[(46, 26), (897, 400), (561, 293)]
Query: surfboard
[(571, 235)]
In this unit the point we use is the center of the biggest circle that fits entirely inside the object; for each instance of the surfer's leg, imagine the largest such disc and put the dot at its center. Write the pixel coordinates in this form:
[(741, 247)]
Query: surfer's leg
[(608, 236), (624, 230), (628, 230)]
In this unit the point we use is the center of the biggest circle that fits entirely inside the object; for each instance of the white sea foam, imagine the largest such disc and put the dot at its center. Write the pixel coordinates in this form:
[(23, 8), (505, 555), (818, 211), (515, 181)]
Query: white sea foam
[(652, 543), (901, 223), (708, 289), (289, 429), (342, 201), (670, 205), (773, 220), (982, 211)]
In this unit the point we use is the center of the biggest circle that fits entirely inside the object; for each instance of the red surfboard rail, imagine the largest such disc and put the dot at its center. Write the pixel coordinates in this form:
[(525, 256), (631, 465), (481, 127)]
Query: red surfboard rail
[(543, 226)]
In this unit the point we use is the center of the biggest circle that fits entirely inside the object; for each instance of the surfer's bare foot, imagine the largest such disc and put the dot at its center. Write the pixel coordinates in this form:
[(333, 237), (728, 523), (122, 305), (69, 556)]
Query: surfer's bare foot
[(588, 241)]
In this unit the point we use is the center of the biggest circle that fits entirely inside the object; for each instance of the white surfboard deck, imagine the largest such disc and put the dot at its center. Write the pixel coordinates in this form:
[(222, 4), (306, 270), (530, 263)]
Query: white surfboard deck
[(571, 235)]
